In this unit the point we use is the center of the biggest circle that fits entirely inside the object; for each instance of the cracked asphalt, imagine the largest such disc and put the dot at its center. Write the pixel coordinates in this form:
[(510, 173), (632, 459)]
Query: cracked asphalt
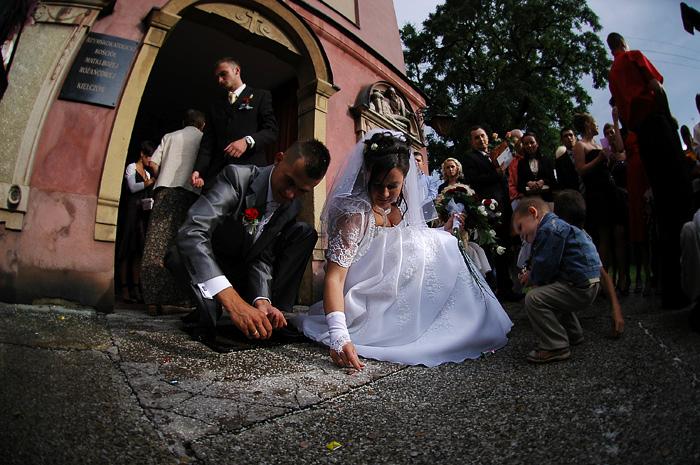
[(80, 387)]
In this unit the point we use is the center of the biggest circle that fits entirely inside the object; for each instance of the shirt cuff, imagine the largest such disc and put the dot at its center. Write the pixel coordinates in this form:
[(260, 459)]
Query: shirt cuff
[(250, 141), (213, 286), (263, 298)]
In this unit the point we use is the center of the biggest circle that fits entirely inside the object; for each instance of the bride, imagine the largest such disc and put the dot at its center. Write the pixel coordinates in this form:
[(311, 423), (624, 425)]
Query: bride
[(396, 290)]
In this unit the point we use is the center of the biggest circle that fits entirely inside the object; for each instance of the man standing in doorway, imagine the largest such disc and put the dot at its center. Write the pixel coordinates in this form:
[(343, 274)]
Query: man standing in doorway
[(637, 88), (240, 125)]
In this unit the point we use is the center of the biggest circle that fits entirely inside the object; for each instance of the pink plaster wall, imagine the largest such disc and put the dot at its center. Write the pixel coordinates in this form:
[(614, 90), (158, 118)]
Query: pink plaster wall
[(74, 138), (353, 68), (55, 255), (377, 28)]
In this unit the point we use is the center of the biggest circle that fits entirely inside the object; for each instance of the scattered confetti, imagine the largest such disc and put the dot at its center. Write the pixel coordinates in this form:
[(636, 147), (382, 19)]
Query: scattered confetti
[(333, 445), (61, 317)]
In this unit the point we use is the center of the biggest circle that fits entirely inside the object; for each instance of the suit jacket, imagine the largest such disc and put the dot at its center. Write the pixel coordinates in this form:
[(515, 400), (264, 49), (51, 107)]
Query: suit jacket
[(176, 155), (213, 241), (567, 176), (228, 122), (545, 172), (482, 176)]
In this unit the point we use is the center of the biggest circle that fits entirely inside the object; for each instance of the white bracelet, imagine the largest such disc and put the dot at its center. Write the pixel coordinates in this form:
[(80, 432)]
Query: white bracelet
[(338, 330)]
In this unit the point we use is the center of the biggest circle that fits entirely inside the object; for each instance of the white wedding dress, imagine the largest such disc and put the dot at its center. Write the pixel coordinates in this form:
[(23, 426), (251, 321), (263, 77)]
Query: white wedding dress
[(409, 294)]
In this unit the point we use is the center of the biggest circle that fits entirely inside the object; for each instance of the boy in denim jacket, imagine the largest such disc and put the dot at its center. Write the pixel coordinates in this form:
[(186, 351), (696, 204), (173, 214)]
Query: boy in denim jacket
[(565, 276)]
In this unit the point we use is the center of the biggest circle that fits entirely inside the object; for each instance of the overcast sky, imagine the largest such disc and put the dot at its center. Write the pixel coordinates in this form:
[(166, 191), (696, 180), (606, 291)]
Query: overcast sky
[(652, 26)]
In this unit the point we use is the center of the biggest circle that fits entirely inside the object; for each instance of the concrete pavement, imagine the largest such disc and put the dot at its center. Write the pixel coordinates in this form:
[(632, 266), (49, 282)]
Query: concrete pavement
[(83, 387)]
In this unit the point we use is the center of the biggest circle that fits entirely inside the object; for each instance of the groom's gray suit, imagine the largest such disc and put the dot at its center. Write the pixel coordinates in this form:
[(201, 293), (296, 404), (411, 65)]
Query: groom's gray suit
[(213, 241)]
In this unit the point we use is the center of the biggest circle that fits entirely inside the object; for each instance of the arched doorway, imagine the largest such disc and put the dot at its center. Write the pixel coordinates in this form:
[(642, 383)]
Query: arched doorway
[(278, 51)]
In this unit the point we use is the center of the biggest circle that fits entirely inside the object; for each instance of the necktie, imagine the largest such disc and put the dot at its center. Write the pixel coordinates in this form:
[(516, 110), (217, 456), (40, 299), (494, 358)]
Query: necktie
[(232, 97)]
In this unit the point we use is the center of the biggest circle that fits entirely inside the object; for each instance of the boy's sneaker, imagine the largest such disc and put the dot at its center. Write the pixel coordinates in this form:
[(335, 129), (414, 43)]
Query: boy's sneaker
[(546, 356)]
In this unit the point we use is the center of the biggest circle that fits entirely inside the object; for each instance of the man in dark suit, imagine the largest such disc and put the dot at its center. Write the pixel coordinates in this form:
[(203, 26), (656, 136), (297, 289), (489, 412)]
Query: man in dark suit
[(240, 125), (491, 182), (241, 247)]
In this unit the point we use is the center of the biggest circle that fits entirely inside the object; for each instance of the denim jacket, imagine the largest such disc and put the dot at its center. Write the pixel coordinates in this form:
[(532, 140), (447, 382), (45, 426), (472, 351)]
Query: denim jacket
[(562, 252)]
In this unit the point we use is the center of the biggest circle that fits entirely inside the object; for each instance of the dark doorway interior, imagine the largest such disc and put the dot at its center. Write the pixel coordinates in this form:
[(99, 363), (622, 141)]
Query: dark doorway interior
[(183, 77)]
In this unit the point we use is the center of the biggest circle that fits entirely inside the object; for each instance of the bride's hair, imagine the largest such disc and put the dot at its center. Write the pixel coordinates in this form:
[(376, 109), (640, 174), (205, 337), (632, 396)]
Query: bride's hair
[(383, 152)]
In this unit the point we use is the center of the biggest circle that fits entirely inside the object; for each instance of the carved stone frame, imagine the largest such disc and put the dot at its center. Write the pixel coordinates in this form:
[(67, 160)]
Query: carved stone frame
[(80, 15), (366, 118)]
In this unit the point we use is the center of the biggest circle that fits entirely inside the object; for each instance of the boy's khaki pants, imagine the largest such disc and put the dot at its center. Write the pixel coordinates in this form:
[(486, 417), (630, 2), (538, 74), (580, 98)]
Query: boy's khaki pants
[(551, 308)]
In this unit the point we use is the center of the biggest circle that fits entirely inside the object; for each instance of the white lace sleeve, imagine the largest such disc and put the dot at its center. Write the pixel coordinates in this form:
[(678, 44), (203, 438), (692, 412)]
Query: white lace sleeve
[(344, 239)]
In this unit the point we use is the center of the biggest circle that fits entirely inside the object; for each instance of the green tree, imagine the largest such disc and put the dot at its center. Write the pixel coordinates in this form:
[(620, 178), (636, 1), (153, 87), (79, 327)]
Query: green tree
[(505, 64)]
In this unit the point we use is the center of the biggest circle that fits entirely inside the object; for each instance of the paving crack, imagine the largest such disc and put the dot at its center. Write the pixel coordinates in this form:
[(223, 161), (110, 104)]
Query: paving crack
[(115, 357), (676, 360)]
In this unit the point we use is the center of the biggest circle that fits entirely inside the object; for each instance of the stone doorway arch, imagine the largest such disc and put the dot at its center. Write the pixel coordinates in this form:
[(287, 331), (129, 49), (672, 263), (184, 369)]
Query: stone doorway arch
[(267, 18)]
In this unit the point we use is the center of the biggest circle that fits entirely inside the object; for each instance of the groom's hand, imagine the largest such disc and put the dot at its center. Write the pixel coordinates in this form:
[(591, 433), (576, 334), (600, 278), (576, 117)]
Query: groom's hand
[(273, 313), (252, 322)]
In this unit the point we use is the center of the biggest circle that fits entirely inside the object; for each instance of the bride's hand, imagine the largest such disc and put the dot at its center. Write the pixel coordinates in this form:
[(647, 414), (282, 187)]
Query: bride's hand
[(347, 358)]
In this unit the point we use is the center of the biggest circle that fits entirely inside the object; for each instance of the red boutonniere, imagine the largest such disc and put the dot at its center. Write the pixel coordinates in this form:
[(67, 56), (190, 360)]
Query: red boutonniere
[(251, 220), (245, 102)]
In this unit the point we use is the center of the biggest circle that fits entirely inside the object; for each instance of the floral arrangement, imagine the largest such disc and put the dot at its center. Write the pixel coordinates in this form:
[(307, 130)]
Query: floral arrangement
[(482, 215), (251, 220), (245, 102)]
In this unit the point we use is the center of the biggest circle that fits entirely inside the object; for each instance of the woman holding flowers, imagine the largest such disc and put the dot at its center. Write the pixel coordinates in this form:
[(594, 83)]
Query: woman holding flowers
[(451, 173), (395, 289)]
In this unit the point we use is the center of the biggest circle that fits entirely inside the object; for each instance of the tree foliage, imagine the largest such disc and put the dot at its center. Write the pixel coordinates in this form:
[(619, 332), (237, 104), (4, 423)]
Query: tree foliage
[(505, 64)]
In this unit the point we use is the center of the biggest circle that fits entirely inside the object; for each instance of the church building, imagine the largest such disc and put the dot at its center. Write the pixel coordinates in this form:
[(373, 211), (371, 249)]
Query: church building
[(86, 81)]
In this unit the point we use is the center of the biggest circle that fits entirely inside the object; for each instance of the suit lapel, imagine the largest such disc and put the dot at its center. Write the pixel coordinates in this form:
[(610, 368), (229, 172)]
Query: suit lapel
[(283, 215), (256, 195), (484, 160), (233, 108)]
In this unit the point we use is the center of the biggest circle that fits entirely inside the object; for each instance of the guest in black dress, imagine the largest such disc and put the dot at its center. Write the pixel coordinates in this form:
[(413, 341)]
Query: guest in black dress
[(602, 203), (139, 184)]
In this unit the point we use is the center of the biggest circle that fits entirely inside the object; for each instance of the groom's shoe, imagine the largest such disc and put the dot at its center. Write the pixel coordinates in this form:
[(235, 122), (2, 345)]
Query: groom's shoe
[(207, 336), (288, 334), (191, 318)]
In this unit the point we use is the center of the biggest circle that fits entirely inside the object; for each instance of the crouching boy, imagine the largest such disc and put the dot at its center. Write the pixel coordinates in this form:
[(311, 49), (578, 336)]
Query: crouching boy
[(565, 276)]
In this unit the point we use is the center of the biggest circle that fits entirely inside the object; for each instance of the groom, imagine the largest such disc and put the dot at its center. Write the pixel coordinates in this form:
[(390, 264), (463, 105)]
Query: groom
[(241, 247)]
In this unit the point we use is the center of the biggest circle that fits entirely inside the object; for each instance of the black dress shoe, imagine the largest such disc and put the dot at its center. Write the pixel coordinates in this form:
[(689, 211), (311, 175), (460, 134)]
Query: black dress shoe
[(207, 336), (192, 317), (288, 334)]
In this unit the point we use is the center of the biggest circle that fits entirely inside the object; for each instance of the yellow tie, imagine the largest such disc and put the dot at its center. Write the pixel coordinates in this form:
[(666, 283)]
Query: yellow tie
[(232, 97)]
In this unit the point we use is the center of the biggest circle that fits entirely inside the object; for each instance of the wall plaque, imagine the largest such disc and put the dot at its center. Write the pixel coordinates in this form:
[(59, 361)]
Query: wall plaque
[(99, 71)]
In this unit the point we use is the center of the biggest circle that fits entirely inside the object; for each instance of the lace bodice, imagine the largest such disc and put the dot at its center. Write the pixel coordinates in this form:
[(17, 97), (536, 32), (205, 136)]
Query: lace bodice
[(350, 238)]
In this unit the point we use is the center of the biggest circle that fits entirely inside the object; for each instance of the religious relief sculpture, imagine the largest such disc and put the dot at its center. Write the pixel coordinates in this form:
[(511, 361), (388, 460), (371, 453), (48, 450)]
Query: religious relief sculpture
[(396, 107), (381, 106)]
